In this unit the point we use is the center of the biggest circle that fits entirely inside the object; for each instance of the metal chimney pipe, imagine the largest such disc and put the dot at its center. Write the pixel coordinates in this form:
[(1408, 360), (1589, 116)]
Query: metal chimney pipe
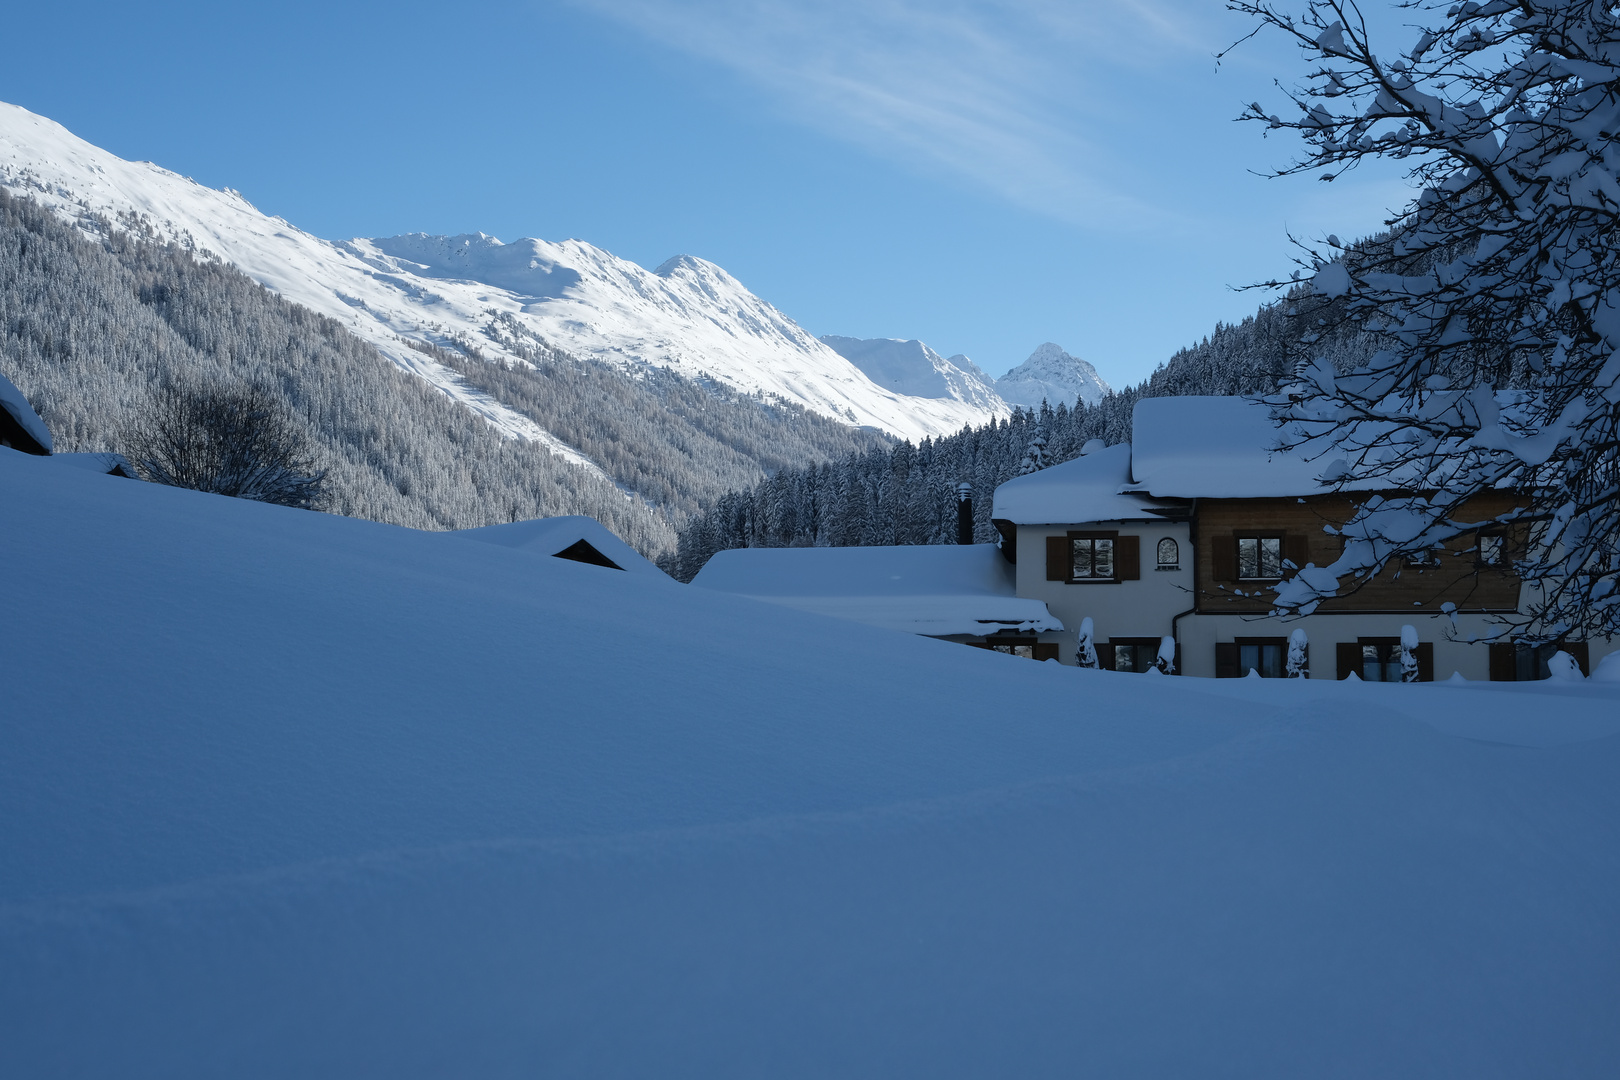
[(964, 513)]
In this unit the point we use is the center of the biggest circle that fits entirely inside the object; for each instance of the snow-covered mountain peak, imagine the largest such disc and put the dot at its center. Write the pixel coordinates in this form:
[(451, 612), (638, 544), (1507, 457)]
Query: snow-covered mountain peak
[(688, 315), (1051, 374), (911, 367)]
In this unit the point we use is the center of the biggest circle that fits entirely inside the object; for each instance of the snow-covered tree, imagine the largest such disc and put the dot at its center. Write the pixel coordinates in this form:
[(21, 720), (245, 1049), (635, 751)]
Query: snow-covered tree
[(1165, 662), (1034, 458), (1086, 654), (1298, 655), (1496, 291), (230, 440), (1409, 658)]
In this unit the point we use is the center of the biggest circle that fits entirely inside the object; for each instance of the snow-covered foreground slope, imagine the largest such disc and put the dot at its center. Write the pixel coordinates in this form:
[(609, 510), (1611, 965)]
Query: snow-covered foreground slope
[(689, 315), (1050, 374), (292, 795)]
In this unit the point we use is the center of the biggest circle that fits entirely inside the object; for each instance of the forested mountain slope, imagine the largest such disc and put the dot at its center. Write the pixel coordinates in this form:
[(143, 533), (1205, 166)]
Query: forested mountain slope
[(87, 327), (687, 315)]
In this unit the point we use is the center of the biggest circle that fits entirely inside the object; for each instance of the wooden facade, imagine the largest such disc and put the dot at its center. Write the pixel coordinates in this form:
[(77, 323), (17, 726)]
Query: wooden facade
[(1453, 574)]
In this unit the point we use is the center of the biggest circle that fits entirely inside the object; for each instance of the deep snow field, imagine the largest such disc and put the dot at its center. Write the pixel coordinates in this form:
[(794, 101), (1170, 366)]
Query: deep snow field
[(291, 795)]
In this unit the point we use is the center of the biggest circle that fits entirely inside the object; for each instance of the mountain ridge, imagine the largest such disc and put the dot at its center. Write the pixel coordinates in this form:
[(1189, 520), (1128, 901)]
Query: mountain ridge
[(690, 315)]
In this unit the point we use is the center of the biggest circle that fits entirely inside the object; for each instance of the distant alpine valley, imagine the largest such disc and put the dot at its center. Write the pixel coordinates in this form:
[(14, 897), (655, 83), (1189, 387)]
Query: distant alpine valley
[(459, 381)]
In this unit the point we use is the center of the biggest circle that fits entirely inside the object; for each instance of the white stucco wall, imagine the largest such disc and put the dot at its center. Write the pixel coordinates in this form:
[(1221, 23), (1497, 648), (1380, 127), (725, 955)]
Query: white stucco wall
[(1142, 608)]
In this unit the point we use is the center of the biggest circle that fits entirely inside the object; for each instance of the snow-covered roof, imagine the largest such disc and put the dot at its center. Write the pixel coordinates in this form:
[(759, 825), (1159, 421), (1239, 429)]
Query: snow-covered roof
[(553, 536), (1086, 488), (936, 590), (1220, 448), (17, 407)]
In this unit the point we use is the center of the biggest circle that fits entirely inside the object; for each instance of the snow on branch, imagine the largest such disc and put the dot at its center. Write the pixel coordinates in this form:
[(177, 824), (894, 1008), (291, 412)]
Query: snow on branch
[(1497, 289)]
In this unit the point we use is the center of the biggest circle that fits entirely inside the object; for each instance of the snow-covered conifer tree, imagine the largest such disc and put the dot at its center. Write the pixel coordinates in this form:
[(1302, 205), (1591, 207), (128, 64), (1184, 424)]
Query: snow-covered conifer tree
[(1165, 662), (1298, 654), (1497, 291), (1086, 654), (1409, 660)]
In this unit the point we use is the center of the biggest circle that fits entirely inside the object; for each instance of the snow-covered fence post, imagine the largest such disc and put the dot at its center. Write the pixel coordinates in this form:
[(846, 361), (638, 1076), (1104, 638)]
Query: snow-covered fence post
[(1086, 654), (1165, 662), (1298, 643), (1409, 660)]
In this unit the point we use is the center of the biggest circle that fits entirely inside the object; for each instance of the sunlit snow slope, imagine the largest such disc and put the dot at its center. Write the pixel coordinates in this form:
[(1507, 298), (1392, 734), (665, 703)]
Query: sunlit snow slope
[(689, 315), (292, 795)]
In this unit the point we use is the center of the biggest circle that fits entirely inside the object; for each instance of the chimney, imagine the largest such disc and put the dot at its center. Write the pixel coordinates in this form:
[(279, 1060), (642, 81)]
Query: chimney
[(964, 513)]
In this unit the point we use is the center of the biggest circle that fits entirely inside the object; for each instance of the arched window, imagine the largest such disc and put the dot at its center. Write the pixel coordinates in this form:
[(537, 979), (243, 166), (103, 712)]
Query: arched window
[(1169, 554)]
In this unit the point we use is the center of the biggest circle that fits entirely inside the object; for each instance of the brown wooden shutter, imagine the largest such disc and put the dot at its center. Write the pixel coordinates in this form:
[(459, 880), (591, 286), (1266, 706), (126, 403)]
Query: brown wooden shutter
[(1046, 650), (1425, 659), (1223, 558), (1504, 666), (1347, 656), (1227, 660), (1297, 549), (1128, 558), (1059, 559), (1581, 653)]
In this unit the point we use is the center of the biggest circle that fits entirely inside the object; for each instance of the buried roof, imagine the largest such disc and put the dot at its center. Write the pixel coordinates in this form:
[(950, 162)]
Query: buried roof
[(576, 537), (937, 590), (20, 426)]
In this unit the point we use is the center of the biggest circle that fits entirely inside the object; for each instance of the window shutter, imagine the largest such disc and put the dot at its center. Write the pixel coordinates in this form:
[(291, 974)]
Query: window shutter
[(1223, 558), (1297, 549), (1582, 655), (1046, 650), (1348, 658), (1226, 660), (1504, 667), (1059, 560), (1128, 558), (1425, 659)]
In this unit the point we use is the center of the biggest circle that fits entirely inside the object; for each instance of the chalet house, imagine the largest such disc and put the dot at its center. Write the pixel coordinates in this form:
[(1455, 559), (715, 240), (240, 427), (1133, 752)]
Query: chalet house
[(1186, 532), (961, 593)]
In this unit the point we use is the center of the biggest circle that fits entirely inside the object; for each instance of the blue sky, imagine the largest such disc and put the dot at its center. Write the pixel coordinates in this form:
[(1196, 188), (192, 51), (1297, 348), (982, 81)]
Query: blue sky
[(983, 176)]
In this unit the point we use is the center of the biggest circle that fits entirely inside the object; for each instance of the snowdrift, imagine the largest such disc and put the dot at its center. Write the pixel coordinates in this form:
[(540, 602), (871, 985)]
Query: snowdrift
[(287, 794)]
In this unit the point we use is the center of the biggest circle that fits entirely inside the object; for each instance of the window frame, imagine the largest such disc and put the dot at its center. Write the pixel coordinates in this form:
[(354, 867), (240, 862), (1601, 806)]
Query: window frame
[(1111, 535), (1158, 554), (1258, 535), (1500, 562)]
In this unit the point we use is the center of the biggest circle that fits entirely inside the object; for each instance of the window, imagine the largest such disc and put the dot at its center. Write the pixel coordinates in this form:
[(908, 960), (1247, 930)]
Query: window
[(1268, 656), (1169, 554), (1373, 659), (1129, 654), (1259, 557), (1380, 662), (1491, 549), (1093, 559), (1028, 648)]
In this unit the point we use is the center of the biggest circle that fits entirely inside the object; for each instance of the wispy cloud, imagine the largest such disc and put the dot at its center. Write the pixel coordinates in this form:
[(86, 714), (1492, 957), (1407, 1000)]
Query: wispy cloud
[(1027, 98)]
